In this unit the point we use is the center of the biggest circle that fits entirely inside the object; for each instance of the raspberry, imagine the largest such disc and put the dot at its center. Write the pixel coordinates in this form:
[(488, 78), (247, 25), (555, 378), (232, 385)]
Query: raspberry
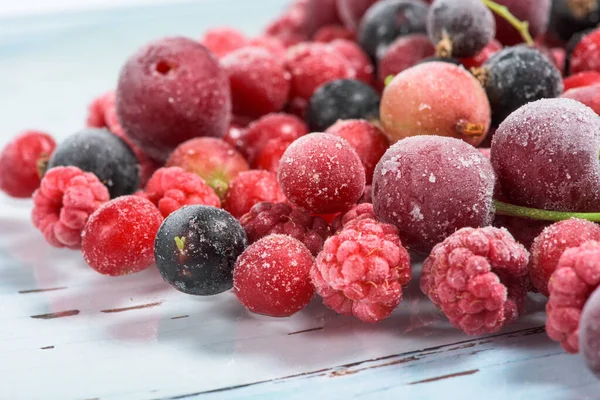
[(585, 78), (172, 188), (272, 276), (362, 270), (269, 132), (477, 278), (322, 174), (222, 41), (19, 162), (250, 188), (280, 218), (259, 83), (314, 64), (359, 211), (271, 44), (118, 238), (63, 203), (549, 246), (577, 275), (365, 71), (586, 55), (329, 33), (369, 142), (102, 113)]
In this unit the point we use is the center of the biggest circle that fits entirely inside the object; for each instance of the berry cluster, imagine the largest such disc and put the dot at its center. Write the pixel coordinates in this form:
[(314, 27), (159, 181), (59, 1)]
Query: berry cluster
[(316, 157)]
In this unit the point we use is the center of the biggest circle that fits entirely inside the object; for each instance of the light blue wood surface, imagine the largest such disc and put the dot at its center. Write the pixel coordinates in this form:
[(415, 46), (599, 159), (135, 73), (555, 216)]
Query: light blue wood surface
[(136, 338)]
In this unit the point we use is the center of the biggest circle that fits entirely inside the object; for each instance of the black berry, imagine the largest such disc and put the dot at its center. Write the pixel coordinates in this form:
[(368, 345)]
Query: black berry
[(105, 155), (341, 99), (516, 76), (388, 19), (196, 249)]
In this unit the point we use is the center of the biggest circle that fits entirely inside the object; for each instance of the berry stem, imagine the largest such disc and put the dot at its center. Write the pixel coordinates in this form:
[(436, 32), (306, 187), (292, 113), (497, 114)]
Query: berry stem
[(504, 12), (541, 215)]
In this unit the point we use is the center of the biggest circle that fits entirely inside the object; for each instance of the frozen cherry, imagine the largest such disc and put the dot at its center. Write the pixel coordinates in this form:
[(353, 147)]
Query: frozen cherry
[(431, 186), (322, 174), (170, 91), (196, 249), (403, 53)]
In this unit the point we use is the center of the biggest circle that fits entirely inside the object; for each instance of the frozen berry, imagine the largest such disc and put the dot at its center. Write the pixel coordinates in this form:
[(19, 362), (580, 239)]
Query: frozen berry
[(447, 101), (480, 58), (359, 211), (588, 95), (342, 99), (314, 64), (20, 163), (272, 277), (388, 19), (403, 53), (576, 276), (351, 12), (105, 155), (431, 186), (329, 33), (271, 44), (322, 174), (362, 270), (359, 60), (460, 28), (280, 218), (581, 79), (214, 160), (222, 41), (516, 76), (172, 188), (170, 91), (586, 55), (550, 245), (268, 132), (233, 134), (369, 142), (568, 165), (535, 12), (196, 248), (259, 83), (570, 17), (96, 117), (250, 188), (589, 332), (321, 13), (118, 238), (67, 196), (524, 230), (476, 277), (292, 27)]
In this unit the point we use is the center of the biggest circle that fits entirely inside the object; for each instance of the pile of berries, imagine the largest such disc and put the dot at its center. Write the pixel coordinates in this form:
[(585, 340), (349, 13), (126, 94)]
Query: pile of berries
[(319, 156)]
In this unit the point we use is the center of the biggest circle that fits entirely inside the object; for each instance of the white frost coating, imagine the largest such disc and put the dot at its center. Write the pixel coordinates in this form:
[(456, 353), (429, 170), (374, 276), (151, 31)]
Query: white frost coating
[(416, 213), (432, 178)]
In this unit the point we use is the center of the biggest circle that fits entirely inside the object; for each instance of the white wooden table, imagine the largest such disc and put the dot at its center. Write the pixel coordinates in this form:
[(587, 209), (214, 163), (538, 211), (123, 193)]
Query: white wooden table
[(68, 333)]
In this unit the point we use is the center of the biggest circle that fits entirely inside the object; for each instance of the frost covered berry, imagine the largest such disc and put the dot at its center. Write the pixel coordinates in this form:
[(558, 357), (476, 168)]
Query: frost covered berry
[(322, 174), (250, 188), (272, 277), (576, 276), (118, 238), (362, 270), (477, 277), (66, 198)]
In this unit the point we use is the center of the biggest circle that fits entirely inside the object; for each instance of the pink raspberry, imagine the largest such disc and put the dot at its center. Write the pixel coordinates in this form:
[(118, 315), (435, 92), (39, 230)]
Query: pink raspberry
[(549, 246), (577, 275), (62, 205), (118, 238), (22, 162), (250, 188), (314, 64), (329, 33), (272, 276), (368, 140), (172, 188), (477, 278), (222, 41), (359, 211), (360, 61), (280, 218), (362, 270), (259, 83)]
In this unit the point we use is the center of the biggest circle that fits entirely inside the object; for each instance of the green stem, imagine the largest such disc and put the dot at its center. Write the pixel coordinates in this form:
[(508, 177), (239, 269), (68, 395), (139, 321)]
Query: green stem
[(504, 12), (541, 215)]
